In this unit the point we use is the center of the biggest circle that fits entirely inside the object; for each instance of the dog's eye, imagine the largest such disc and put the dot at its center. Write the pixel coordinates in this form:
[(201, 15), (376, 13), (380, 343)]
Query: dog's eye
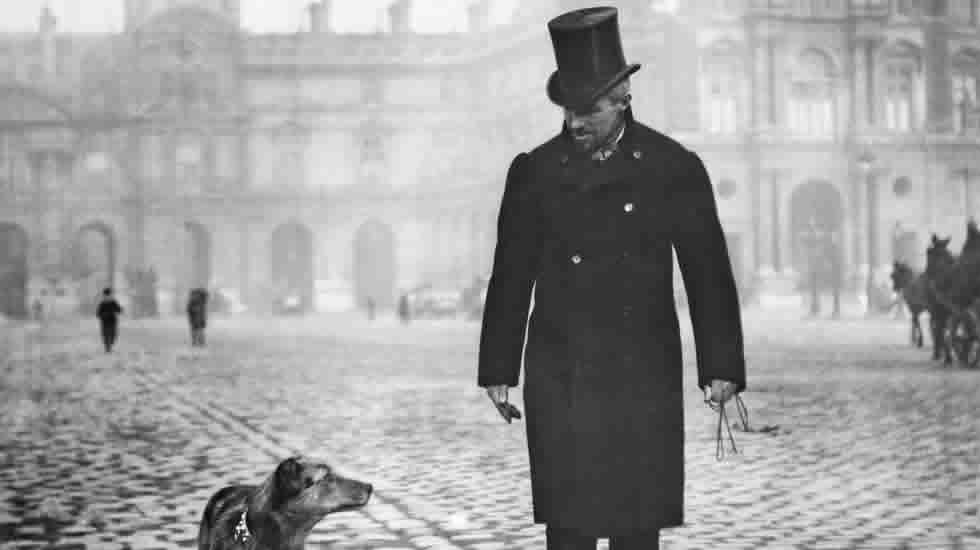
[(308, 482)]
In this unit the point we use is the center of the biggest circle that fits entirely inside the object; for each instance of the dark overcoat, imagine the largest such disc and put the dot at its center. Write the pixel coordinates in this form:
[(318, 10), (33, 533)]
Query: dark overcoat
[(603, 372)]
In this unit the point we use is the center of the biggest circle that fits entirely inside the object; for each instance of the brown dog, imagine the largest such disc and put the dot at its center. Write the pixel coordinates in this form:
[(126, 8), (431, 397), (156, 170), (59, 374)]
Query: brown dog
[(279, 513)]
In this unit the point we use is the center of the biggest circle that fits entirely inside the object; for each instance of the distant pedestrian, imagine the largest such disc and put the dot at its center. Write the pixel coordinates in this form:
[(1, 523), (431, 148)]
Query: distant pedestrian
[(108, 313), (37, 309), (197, 315), (370, 308), (403, 312)]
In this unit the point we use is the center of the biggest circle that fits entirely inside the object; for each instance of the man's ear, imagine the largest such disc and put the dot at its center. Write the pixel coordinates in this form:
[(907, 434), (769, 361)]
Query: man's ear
[(624, 103)]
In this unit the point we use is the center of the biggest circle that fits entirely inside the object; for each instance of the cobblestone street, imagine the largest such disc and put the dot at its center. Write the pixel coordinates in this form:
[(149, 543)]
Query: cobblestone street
[(877, 447)]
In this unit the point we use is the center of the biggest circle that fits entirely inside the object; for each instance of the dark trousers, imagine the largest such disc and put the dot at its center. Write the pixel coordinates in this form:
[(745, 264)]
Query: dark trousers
[(109, 332), (566, 539), (197, 337)]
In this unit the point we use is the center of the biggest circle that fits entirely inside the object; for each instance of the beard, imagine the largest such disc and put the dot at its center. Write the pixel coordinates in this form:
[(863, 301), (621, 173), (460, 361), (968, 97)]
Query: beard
[(588, 141)]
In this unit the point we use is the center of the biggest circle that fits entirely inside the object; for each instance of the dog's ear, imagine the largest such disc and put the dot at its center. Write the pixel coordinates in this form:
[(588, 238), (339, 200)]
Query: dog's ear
[(288, 478)]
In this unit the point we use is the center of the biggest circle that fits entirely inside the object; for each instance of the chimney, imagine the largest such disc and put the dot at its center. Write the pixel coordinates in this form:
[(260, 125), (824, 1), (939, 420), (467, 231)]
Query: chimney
[(479, 15), (399, 13), (320, 16)]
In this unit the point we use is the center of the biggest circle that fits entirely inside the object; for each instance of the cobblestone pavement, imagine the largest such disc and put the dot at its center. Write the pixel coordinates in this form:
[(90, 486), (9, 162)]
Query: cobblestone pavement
[(876, 448)]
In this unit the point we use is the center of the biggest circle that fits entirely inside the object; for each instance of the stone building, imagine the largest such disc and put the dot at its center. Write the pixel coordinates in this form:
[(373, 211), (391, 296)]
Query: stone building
[(337, 167)]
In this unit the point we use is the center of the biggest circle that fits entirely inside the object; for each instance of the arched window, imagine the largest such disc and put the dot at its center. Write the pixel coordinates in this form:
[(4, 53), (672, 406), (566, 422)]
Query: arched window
[(719, 90), (966, 77), (811, 104), (901, 74)]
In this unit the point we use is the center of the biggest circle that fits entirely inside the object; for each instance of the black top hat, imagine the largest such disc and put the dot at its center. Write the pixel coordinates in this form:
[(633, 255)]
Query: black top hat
[(589, 55)]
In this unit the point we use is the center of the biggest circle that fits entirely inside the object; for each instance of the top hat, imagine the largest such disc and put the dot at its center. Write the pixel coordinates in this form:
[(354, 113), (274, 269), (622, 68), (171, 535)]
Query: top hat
[(589, 55)]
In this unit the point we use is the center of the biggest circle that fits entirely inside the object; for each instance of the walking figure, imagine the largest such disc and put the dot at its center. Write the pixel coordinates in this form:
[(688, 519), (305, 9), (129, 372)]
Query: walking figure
[(37, 308), (197, 315), (370, 308), (108, 313), (403, 312)]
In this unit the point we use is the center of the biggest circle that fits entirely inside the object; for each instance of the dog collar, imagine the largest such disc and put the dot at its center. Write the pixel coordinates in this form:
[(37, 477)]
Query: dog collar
[(241, 530)]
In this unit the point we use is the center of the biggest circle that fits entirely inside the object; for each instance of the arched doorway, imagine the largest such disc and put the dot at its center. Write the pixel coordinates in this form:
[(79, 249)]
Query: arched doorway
[(374, 264), (291, 267), (93, 264), (14, 246), (820, 202)]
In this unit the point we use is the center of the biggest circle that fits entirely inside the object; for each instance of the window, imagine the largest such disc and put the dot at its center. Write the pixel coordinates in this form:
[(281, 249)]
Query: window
[(966, 74), (719, 91), (811, 103), (899, 96)]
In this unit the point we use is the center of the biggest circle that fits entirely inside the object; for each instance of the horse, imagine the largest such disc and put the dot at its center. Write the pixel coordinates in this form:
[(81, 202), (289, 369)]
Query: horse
[(939, 269), (954, 296), (913, 287)]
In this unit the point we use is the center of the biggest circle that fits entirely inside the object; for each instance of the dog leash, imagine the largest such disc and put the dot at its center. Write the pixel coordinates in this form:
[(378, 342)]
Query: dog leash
[(743, 413)]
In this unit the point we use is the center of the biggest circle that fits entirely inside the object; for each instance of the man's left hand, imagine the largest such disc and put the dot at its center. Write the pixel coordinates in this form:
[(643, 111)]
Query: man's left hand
[(721, 390)]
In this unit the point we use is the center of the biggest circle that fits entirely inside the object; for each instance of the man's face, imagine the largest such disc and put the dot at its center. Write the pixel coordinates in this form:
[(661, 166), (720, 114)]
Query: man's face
[(594, 127)]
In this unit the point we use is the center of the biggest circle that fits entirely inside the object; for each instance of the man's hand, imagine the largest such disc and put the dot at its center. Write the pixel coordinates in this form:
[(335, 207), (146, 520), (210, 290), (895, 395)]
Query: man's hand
[(498, 394), (721, 391)]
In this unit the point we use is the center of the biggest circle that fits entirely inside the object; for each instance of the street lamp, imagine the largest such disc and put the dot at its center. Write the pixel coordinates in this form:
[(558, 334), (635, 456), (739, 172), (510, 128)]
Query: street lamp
[(866, 163)]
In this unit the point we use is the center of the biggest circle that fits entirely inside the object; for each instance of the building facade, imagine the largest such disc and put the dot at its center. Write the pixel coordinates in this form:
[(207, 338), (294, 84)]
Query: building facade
[(341, 167)]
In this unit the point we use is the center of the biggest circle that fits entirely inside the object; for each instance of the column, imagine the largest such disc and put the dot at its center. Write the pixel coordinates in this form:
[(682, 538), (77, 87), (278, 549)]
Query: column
[(49, 188), (872, 230), (859, 87), (869, 83), (244, 252), (767, 226), (776, 208), (858, 217), (786, 244)]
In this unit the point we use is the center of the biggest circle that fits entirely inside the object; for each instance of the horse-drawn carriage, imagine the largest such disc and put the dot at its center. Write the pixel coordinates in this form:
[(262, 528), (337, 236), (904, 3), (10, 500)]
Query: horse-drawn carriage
[(949, 290)]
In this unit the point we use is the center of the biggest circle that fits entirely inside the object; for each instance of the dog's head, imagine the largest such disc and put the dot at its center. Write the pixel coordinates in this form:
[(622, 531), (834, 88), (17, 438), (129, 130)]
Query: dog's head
[(305, 488)]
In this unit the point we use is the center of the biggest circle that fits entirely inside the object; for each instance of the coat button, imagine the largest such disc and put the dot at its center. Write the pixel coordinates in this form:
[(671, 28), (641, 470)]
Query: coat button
[(628, 207), (576, 259), (637, 155), (564, 159)]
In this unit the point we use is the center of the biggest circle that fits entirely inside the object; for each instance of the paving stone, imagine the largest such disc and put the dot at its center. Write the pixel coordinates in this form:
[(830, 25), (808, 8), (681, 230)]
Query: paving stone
[(878, 450)]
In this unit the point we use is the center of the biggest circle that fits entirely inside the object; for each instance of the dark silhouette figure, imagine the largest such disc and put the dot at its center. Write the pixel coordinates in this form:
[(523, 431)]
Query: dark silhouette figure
[(371, 306), (197, 315), (403, 313), (108, 313)]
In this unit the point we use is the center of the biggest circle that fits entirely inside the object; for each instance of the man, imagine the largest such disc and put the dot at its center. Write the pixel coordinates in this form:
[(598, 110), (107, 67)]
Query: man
[(108, 313), (588, 220), (197, 315)]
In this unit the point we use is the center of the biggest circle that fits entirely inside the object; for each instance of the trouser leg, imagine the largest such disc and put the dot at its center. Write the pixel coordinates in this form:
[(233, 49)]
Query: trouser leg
[(641, 540), (566, 539)]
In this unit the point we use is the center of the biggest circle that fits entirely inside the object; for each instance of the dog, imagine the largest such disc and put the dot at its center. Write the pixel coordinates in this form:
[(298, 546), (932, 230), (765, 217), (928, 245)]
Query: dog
[(280, 513)]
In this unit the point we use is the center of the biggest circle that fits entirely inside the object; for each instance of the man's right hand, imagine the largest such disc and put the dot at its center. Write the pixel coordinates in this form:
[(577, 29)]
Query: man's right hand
[(498, 394)]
